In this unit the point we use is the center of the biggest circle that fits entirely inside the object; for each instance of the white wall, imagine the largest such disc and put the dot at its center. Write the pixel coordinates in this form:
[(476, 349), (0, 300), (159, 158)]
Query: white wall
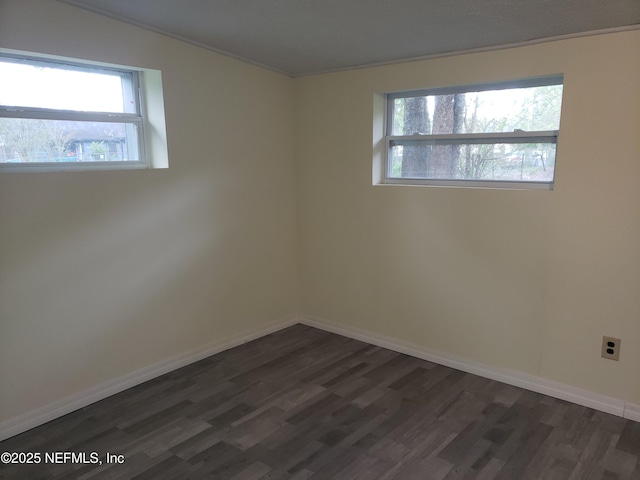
[(524, 280), (104, 273)]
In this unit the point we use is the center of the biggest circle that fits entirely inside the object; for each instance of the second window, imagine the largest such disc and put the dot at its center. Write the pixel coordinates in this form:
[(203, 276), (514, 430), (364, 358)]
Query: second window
[(491, 135)]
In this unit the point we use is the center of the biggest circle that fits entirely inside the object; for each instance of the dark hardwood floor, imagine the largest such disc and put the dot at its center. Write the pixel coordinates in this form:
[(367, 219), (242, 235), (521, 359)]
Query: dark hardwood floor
[(303, 403)]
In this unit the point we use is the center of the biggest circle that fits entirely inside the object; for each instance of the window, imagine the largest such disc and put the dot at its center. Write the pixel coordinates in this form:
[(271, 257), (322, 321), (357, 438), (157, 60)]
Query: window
[(492, 135), (59, 114)]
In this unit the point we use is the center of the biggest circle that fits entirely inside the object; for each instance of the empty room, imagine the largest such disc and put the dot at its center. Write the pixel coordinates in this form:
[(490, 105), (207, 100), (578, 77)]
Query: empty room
[(289, 239)]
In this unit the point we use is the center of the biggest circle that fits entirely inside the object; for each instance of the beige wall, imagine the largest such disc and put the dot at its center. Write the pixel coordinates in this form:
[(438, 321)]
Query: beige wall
[(525, 280), (103, 273)]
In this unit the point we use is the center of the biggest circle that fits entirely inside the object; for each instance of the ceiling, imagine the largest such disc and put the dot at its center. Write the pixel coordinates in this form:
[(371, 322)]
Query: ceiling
[(301, 37)]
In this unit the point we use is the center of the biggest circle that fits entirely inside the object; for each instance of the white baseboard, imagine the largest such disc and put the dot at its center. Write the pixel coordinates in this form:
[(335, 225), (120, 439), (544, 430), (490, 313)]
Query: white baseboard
[(632, 412), (69, 404), (551, 388), (79, 400)]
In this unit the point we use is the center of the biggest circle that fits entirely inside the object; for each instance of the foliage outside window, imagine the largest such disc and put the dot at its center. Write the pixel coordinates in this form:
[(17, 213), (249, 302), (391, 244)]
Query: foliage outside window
[(56, 115), (492, 135)]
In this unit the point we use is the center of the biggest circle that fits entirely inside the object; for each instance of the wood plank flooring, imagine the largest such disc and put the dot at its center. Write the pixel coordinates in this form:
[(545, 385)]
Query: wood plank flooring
[(306, 404)]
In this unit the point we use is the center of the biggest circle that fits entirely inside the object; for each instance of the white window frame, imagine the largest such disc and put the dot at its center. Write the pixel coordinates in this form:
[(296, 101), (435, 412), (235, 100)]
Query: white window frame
[(148, 118), (547, 136)]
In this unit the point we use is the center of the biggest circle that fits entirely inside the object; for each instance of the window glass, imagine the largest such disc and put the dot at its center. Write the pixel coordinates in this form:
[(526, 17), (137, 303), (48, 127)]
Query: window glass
[(68, 115), (58, 141), (527, 109), (520, 162), (487, 133), (48, 85)]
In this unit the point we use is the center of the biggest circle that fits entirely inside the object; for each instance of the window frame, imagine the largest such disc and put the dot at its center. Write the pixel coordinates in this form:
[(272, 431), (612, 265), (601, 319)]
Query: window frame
[(546, 136), (137, 118)]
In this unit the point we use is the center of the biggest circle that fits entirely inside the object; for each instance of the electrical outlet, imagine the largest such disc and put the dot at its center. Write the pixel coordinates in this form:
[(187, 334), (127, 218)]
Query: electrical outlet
[(611, 348)]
